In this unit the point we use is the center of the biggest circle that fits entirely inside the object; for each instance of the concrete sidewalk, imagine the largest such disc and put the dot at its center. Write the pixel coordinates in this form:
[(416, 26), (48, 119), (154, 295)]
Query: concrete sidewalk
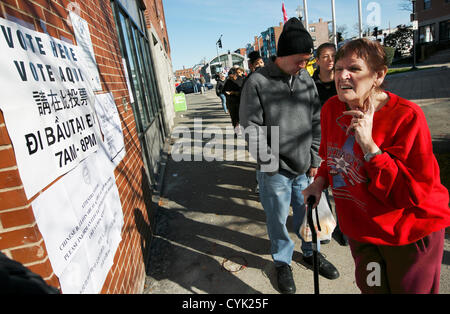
[(210, 234), (429, 88)]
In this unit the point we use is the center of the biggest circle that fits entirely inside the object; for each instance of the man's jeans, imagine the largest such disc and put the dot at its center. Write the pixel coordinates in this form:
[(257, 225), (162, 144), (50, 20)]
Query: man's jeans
[(277, 193), (224, 102)]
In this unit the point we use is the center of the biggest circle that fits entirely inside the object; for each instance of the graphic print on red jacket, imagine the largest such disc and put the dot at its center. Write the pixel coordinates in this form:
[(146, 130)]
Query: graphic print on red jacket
[(344, 167), (396, 198)]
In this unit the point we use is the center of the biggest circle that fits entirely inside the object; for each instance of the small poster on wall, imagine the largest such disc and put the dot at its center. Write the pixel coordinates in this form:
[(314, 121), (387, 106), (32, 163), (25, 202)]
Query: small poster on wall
[(84, 42), (80, 218), (111, 127)]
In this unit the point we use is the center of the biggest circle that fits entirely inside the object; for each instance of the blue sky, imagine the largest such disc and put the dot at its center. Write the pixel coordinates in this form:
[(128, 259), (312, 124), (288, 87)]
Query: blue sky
[(194, 26)]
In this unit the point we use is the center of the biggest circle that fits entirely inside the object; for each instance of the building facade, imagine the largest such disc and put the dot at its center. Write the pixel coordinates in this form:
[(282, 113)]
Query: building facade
[(319, 32), (433, 17), (257, 44), (269, 39), (184, 73), (64, 73), (241, 51), (160, 49), (222, 64), (267, 42)]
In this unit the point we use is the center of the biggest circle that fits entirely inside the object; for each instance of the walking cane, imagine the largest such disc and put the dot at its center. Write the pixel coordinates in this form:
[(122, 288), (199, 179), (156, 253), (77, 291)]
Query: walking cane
[(310, 201)]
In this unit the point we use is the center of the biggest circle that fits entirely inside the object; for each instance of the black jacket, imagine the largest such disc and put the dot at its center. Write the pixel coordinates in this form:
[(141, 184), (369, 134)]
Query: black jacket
[(17, 279), (326, 90), (233, 86), (219, 87)]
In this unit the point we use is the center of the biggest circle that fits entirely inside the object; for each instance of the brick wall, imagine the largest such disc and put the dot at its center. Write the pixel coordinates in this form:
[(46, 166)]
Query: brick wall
[(320, 32), (154, 15), (20, 238), (438, 9), (278, 30), (185, 72)]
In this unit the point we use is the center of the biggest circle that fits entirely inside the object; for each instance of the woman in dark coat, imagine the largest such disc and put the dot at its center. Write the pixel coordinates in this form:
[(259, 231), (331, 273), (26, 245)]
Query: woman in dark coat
[(232, 91)]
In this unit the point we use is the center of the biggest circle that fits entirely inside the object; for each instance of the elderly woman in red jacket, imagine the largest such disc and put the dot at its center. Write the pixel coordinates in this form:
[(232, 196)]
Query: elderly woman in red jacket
[(378, 158)]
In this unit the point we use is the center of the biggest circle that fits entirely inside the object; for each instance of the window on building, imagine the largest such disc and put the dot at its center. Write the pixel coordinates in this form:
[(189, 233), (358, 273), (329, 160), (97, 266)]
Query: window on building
[(165, 45), (312, 29), (426, 4), (444, 30), (134, 46), (426, 33), (134, 10), (155, 4)]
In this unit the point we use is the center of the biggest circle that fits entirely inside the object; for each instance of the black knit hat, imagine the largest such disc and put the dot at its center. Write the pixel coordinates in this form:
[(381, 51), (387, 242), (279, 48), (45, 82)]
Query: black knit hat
[(253, 56), (294, 39)]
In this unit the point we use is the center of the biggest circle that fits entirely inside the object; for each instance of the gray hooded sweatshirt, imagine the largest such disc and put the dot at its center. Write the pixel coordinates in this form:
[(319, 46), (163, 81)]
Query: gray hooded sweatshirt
[(271, 99)]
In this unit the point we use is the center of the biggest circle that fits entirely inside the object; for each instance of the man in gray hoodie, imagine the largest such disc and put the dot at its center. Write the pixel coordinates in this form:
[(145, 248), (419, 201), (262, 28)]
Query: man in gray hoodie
[(280, 111)]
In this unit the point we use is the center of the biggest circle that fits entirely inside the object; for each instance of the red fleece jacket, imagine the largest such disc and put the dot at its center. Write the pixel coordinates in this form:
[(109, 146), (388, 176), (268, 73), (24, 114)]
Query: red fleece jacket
[(395, 199)]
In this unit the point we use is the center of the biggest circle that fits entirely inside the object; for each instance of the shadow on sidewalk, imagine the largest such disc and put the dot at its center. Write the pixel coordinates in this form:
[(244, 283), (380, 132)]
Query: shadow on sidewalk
[(208, 215), (200, 225), (441, 145)]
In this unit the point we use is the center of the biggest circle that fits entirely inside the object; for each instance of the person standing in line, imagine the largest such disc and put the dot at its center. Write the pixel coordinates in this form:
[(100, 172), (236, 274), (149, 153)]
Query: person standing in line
[(202, 84), (232, 91), (219, 91), (240, 72), (324, 74), (385, 178), (255, 62), (283, 96), (195, 85), (324, 79)]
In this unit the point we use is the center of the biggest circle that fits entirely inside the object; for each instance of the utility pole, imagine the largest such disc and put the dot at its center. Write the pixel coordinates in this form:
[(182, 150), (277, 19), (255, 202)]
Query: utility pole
[(415, 28), (360, 18), (299, 13), (305, 8), (333, 14)]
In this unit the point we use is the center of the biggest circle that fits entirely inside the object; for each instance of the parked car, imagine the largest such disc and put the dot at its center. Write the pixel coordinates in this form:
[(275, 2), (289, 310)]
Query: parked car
[(187, 87)]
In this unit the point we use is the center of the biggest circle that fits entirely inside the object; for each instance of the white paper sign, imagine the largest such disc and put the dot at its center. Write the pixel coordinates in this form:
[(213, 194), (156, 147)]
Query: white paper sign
[(47, 103), (125, 69), (83, 37), (80, 218), (111, 127)]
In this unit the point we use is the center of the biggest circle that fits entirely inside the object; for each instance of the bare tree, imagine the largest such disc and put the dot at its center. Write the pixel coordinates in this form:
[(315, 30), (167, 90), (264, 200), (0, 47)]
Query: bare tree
[(342, 29), (366, 30)]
